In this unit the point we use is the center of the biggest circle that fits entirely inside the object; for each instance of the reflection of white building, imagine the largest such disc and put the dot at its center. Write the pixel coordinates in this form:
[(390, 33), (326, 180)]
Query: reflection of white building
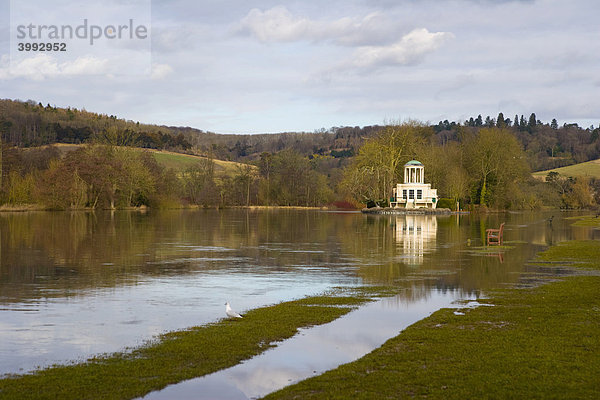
[(414, 192), (416, 233)]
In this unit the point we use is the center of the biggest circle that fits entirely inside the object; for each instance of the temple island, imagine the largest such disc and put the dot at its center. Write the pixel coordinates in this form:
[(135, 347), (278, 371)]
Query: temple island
[(414, 196)]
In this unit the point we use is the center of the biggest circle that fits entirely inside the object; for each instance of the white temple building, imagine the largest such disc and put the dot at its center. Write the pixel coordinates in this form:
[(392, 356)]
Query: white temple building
[(414, 192)]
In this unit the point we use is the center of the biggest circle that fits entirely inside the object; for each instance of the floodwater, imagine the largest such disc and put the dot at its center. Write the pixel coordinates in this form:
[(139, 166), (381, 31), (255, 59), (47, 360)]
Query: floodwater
[(74, 285), (311, 352)]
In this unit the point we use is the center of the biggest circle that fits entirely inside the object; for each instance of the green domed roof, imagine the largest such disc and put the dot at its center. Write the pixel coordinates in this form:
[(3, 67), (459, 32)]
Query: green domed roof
[(414, 162)]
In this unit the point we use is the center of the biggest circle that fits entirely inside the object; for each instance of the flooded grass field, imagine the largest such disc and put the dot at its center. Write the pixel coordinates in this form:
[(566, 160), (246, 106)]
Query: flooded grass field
[(75, 285)]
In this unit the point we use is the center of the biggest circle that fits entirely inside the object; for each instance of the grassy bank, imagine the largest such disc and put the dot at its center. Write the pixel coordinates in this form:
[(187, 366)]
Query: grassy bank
[(21, 207), (541, 342), (179, 355)]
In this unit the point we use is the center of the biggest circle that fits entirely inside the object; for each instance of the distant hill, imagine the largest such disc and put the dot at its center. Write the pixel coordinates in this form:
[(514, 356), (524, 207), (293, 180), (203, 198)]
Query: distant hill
[(30, 124), (177, 161), (590, 169)]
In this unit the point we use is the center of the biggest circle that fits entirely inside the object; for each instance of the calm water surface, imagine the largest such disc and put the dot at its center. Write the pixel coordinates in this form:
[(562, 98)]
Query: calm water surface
[(311, 352), (73, 285)]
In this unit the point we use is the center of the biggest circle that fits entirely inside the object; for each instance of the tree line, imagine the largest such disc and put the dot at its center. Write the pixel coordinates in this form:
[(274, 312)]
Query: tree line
[(107, 177), (485, 167), (30, 124), (546, 145)]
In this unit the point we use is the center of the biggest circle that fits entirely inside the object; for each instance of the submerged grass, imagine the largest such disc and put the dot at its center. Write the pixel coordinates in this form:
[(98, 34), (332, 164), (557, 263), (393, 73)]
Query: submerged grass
[(541, 342), (593, 221), (580, 253), (180, 355), (489, 249)]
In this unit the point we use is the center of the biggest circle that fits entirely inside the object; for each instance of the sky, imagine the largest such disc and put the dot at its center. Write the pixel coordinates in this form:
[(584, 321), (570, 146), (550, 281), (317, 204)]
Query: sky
[(244, 66)]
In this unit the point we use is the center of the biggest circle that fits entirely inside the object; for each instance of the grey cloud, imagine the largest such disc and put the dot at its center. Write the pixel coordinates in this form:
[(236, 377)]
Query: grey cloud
[(172, 38), (4, 27), (344, 62)]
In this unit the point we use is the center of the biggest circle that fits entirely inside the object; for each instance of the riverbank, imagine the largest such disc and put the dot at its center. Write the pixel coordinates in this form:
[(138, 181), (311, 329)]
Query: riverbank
[(411, 211), (185, 354), (531, 342), (41, 207), (8, 208), (22, 207)]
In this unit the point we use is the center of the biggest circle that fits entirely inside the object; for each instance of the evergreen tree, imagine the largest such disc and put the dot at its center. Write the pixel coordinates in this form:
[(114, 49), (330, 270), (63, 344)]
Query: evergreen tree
[(500, 122), (522, 122), (554, 124), (532, 121), (479, 121), (516, 123)]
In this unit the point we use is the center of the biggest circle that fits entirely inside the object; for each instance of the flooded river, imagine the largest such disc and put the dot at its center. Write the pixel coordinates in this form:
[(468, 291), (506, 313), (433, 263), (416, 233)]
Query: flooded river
[(74, 285)]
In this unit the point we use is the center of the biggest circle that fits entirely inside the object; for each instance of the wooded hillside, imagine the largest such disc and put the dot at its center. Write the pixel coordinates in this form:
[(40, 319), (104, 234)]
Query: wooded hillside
[(341, 164), (28, 124)]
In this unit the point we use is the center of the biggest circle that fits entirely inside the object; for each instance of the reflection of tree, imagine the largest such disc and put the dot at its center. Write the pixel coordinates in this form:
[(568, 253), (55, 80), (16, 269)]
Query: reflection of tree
[(57, 254), (450, 264), (54, 252), (64, 253), (417, 290)]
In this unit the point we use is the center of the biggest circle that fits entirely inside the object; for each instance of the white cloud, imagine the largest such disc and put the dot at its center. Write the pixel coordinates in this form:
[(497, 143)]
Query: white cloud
[(160, 71), (407, 51), (278, 24), (84, 66), (43, 66)]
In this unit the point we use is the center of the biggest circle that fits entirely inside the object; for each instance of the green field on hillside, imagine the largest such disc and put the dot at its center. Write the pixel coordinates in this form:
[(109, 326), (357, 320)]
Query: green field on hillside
[(168, 159), (590, 169), (180, 162)]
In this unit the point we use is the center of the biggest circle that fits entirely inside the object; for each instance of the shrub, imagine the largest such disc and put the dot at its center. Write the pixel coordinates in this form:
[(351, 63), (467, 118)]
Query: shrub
[(447, 203)]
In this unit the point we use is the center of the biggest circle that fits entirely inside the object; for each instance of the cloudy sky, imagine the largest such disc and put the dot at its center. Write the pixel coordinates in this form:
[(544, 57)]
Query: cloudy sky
[(243, 66)]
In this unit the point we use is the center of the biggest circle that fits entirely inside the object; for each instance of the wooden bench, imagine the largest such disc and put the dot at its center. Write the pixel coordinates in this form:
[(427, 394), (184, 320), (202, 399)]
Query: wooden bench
[(494, 236)]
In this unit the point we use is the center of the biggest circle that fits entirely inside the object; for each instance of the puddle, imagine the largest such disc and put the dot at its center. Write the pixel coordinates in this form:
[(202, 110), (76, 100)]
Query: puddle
[(464, 306), (312, 351)]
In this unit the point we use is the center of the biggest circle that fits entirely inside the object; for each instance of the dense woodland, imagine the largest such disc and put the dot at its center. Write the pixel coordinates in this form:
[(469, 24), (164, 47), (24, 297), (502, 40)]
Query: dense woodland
[(479, 162)]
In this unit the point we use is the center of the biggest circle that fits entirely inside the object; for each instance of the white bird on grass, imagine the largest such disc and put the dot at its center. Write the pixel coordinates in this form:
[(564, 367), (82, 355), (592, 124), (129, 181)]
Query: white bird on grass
[(230, 313)]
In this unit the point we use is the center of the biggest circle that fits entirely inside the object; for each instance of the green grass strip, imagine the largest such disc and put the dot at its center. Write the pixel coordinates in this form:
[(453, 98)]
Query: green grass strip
[(534, 343), (180, 355)]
